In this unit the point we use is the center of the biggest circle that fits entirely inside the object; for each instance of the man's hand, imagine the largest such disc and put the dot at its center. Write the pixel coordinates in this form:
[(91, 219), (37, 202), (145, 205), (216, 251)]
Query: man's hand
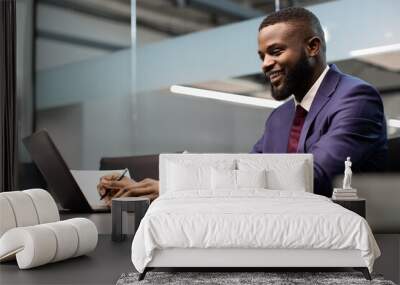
[(109, 185), (127, 187), (104, 191)]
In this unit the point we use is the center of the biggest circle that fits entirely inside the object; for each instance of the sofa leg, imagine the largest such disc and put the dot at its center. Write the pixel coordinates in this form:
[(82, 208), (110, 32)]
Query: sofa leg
[(142, 275), (364, 271)]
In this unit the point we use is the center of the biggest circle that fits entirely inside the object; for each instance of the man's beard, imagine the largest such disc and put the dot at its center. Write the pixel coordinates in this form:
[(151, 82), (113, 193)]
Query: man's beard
[(297, 79)]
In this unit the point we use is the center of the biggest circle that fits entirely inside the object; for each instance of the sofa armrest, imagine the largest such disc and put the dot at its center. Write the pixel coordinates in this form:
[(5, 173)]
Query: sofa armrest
[(140, 167)]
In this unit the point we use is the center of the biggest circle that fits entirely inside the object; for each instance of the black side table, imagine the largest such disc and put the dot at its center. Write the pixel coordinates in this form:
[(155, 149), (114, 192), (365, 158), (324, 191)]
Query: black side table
[(355, 205), (138, 205)]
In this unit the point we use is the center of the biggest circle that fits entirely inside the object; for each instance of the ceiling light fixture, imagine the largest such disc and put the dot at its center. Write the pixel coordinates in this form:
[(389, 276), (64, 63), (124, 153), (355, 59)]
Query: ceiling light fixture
[(226, 97), (393, 123), (375, 50)]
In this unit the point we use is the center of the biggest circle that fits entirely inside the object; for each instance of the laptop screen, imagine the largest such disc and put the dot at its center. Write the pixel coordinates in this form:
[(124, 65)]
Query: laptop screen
[(59, 179)]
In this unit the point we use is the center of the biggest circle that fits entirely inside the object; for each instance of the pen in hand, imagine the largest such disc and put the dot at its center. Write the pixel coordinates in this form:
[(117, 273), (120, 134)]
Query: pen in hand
[(118, 179)]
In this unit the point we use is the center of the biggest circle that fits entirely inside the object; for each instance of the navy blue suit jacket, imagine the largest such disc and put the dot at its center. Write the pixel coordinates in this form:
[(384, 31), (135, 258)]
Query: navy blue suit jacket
[(345, 119)]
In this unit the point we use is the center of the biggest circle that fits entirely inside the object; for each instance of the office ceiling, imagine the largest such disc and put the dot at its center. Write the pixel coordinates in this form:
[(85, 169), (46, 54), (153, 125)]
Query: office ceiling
[(178, 17)]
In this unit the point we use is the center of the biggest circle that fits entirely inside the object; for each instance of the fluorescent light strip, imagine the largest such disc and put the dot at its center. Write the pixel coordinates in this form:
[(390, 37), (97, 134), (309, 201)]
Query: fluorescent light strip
[(393, 123), (240, 99), (227, 97), (375, 50)]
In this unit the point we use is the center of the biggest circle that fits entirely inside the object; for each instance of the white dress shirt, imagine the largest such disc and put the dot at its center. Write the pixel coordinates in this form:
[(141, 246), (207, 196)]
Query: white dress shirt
[(309, 97)]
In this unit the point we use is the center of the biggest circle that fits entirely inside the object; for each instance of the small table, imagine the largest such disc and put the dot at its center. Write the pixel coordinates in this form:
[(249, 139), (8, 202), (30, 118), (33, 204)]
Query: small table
[(138, 205), (355, 205)]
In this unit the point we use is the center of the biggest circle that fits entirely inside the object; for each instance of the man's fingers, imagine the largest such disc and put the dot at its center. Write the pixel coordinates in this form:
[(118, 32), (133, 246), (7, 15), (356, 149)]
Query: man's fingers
[(112, 176), (107, 193), (112, 192), (104, 190), (108, 203), (114, 184), (120, 193), (135, 192), (106, 179), (107, 200), (118, 184), (101, 190)]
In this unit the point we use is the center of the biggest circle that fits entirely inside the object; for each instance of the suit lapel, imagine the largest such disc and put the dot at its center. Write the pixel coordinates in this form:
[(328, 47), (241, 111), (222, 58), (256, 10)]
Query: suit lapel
[(322, 97)]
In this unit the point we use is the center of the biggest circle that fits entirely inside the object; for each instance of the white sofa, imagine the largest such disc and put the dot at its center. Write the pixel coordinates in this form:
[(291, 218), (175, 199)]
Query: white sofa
[(31, 231)]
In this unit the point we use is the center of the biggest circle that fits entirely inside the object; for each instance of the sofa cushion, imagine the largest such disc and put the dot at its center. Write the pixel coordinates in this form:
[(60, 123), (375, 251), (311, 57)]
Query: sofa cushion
[(140, 167)]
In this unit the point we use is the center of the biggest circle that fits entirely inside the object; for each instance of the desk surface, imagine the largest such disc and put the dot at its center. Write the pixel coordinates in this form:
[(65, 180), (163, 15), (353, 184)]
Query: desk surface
[(102, 266)]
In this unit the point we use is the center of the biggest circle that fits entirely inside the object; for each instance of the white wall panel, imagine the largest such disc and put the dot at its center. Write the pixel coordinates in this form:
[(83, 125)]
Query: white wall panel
[(50, 54)]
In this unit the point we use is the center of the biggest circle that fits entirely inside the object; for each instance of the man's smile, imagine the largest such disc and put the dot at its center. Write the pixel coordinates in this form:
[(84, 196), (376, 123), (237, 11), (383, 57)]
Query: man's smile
[(275, 76)]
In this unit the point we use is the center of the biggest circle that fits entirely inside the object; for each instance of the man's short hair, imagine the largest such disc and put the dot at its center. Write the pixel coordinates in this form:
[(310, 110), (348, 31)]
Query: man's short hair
[(299, 16)]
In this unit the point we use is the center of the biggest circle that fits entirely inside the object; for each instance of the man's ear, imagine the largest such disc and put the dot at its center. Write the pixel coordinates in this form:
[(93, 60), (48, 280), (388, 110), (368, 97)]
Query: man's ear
[(314, 46)]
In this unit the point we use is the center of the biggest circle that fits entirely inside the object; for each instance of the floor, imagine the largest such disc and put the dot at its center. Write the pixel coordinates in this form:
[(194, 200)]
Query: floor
[(110, 259), (103, 266)]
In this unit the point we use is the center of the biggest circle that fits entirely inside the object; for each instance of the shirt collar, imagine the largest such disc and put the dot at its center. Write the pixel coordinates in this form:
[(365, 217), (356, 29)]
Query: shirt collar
[(309, 97)]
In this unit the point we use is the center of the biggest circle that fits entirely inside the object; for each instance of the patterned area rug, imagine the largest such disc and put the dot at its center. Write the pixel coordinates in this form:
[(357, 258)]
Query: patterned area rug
[(273, 278)]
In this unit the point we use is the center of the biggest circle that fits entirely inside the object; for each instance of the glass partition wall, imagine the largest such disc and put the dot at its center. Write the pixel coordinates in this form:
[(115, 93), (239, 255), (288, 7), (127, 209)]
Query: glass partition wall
[(83, 78)]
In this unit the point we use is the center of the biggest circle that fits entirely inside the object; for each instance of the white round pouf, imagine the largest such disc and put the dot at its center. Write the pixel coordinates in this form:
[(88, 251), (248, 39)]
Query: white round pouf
[(23, 208), (67, 240), (6, 215), (30, 230), (87, 234), (33, 246), (45, 205)]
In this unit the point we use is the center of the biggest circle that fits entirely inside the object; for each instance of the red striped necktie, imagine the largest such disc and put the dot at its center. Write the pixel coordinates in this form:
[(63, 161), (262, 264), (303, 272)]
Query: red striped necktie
[(295, 131)]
